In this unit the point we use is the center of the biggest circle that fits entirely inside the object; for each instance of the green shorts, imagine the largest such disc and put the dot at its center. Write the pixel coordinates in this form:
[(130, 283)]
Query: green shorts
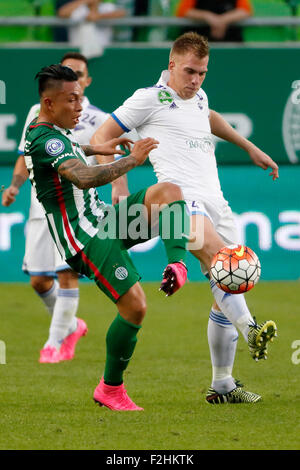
[(105, 259)]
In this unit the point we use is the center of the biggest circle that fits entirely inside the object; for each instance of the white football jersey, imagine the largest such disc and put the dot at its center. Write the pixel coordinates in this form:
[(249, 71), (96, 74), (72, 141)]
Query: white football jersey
[(185, 154), (91, 118)]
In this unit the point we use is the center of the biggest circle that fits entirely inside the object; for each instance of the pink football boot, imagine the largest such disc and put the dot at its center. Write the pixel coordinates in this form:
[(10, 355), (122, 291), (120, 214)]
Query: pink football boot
[(174, 277), (49, 355), (67, 350), (114, 397)]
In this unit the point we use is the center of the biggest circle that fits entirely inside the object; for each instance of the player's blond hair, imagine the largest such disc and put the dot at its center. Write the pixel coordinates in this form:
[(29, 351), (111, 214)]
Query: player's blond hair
[(191, 42)]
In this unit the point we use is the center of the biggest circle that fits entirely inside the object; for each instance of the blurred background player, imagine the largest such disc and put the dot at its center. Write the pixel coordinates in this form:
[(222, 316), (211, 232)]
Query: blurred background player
[(42, 260), (176, 112), (219, 15)]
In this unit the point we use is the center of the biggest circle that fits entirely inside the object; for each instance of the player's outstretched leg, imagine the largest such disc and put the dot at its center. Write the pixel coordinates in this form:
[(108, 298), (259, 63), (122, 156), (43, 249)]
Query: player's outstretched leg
[(174, 277), (234, 306), (120, 344), (174, 230), (259, 336)]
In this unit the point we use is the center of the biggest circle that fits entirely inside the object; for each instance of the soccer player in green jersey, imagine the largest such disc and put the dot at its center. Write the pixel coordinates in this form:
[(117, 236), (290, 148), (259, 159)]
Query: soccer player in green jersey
[(78, 220)]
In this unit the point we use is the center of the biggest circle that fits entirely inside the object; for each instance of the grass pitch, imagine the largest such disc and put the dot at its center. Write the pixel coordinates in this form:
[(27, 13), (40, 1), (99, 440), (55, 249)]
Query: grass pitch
[(50, 406)]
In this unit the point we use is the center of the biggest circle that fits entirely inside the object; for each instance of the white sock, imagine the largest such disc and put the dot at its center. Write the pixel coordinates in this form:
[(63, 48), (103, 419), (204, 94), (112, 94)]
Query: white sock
[(234, 307), (222, 339), (49, 297), (64, 321)]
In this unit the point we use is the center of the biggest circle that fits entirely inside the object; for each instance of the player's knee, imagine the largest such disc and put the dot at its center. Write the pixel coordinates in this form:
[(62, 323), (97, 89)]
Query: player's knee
[(133, 306), (171, 192), (68, 279), (41, 284), (139, 309)]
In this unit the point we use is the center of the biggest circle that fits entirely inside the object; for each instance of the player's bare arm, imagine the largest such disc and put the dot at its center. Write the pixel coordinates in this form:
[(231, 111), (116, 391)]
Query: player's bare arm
[(20, 175), (85, 177), (222, 129), (110, 129)]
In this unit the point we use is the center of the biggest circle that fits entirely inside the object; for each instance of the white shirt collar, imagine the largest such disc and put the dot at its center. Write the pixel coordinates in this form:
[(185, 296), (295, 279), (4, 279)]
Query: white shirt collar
[(163, 81), (164, 78)]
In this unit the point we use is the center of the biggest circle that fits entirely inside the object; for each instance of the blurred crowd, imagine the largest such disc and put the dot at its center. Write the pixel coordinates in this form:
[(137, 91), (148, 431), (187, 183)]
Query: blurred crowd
[(217, 19)]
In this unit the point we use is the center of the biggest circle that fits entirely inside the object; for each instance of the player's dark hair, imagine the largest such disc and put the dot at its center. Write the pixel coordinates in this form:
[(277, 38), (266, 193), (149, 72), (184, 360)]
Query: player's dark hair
[(191, 42), (74, 55), (50, 76)]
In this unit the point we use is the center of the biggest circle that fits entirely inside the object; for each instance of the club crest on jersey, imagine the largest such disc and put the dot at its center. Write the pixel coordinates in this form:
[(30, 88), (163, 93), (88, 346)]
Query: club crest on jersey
[(121, 273), (165, 97), (54, 147)]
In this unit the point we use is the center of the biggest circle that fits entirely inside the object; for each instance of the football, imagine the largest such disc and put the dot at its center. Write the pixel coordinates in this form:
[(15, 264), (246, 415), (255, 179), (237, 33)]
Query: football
[(235, 269)]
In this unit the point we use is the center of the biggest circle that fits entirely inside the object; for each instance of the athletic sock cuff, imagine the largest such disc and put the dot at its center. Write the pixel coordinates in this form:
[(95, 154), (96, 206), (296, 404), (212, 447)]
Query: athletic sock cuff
[(68, 292), (119, 317), (48, 292), (219, 317)]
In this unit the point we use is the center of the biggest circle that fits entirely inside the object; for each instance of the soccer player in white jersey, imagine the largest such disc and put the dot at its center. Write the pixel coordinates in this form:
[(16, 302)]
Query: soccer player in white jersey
[(176, 112), (42, 261)]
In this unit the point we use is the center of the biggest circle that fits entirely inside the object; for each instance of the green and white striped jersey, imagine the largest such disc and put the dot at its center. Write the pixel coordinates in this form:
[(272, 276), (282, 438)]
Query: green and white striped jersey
[(73, 214)]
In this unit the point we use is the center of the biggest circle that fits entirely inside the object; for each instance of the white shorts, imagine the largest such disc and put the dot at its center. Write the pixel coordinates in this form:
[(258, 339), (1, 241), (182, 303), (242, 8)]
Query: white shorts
[(221, 217), (41, 255)]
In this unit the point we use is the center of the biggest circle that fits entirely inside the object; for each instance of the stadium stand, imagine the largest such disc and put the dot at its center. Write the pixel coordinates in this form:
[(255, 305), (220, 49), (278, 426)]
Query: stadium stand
[(26, 8), (158, 9), (267, 8)]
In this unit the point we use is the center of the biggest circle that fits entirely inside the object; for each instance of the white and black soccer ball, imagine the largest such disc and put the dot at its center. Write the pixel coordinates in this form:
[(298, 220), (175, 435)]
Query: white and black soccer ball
[(235, 269)]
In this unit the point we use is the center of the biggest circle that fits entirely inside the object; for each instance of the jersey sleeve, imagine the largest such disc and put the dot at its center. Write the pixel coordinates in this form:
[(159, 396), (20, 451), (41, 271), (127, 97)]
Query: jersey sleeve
[(54, 149), (33, 112), (205, 100), (135, 111)]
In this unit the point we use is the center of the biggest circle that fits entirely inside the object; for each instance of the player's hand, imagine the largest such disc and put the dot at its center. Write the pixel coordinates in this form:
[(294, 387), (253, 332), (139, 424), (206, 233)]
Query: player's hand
[(263, 160), (142, 148), (119, 190), (9, 195), (111, 146)]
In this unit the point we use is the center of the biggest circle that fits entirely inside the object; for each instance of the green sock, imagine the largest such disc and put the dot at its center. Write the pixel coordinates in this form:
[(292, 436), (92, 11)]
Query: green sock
[(174, 229), (120, 343)]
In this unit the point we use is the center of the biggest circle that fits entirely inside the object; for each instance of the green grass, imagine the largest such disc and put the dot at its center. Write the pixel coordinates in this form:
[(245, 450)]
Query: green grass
[(50, 406)]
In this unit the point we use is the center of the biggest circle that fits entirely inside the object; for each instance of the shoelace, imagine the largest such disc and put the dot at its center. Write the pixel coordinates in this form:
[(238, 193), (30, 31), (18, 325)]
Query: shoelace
[(254, 325), (238, 383)]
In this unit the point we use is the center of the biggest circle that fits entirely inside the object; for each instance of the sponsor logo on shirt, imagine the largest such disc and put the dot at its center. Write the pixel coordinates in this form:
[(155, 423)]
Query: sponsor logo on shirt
[(205, 144), (63, 156), (165, 97), (173, 106), (54, 147)]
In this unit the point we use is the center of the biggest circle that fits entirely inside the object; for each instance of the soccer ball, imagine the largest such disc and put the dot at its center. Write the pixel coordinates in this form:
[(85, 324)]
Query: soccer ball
[(235, 269)]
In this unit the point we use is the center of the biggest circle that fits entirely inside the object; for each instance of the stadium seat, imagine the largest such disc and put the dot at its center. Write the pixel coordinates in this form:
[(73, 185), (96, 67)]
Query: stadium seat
[(270, 8), (25, 33)]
